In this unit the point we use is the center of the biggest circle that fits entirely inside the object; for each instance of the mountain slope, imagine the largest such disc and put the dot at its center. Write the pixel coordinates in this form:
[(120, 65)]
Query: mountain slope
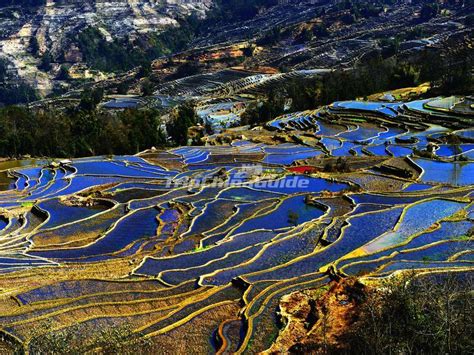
[(32, 30)]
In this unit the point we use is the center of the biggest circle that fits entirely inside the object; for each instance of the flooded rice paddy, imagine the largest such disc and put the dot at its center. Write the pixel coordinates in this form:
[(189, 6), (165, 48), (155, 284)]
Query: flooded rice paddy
[(163, 239)]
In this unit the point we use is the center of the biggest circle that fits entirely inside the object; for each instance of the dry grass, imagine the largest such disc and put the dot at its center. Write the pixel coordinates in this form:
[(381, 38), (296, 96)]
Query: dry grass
[(194, 336), (404, 94)]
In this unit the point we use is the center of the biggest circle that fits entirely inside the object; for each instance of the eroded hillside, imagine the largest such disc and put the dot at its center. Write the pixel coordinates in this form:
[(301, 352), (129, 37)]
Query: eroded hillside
[(34, 30)]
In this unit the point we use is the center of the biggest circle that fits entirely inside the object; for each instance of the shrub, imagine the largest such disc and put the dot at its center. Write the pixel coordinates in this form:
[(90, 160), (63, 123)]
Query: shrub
[(427, 314)]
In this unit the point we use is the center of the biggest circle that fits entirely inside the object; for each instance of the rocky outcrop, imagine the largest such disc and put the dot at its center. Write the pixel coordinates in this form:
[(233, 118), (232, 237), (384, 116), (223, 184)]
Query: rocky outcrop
[(315, 319)]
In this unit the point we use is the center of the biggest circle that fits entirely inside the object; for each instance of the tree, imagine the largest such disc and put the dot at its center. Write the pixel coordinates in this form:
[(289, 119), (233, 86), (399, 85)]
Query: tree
[(34, 46), (248, 51), (78, 132), (305, 35), (122, 88), (145, 70), (14, 93), (147, 88), (469, 20), (45, 63), (271, 37), (405, 75), (63, 73), (428, 11), (143, 129), (305, 94), (3, 69), (457, 77), (348, 19), (91, 98), (186, 69), (390, 47), (320, 30), (265, 110), (183, 119)]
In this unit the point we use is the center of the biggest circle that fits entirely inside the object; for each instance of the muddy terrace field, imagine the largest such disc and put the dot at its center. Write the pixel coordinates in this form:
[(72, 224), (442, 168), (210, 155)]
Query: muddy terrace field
[(197, 245)]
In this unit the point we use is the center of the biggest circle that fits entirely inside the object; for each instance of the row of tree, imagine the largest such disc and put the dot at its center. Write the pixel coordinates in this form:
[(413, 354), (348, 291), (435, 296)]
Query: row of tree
[(86, 130), (77, 132), (448, 75)]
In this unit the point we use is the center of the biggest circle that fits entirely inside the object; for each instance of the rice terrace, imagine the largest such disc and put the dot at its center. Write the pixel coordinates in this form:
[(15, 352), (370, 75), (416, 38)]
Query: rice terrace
[(236, 177), (160, 242)]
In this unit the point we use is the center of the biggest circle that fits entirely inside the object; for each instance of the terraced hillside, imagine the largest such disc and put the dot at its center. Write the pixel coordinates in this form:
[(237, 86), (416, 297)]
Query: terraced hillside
[(196, 246), (72, 31)]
